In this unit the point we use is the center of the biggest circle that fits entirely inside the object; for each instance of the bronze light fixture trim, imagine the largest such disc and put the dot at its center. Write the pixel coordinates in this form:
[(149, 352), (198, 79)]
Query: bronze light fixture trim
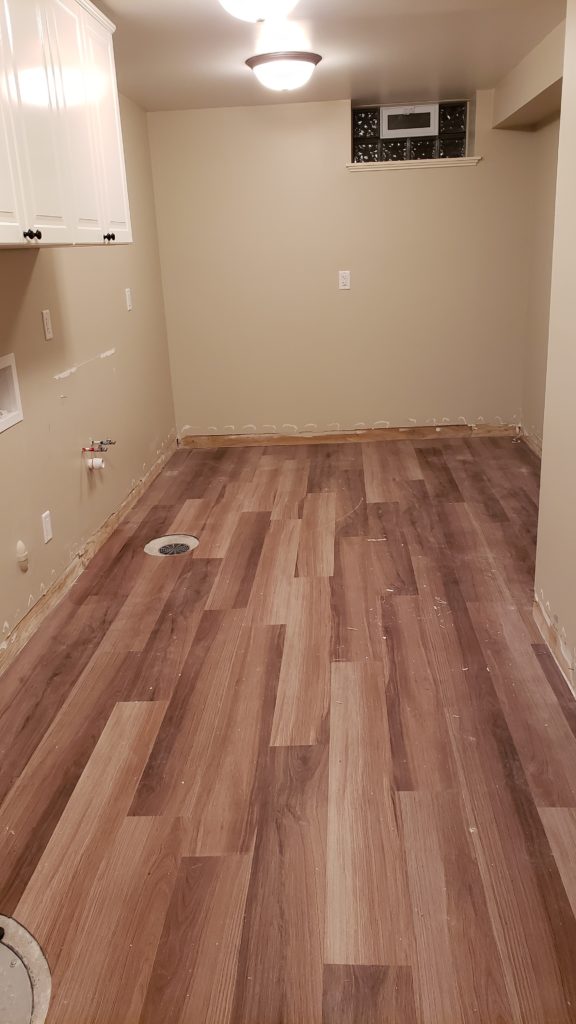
[(264, 63)]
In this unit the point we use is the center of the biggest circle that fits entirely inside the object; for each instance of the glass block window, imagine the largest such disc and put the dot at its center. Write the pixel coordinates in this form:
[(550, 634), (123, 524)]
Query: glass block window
[(366, 124), (423, 149), (394, 149), (450, 143), (366, 152)]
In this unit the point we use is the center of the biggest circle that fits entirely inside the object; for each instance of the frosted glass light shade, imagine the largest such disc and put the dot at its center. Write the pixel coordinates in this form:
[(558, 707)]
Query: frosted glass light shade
[(284, 71), (258, 10)]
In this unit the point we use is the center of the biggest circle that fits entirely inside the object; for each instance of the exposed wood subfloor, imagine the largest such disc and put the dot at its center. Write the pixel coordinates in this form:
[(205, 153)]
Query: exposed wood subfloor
[(322, 771)]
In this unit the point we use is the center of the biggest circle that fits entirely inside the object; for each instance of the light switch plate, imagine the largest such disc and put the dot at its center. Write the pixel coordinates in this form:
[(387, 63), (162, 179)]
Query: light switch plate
[(129, 299), (344, 280)]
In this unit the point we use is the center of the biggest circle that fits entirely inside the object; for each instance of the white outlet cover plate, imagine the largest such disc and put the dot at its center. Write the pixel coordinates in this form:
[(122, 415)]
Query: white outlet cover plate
[(344, 280), (47, 526)]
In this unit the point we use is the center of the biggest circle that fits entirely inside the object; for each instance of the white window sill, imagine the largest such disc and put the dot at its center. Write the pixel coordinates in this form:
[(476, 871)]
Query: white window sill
[(407, 165)]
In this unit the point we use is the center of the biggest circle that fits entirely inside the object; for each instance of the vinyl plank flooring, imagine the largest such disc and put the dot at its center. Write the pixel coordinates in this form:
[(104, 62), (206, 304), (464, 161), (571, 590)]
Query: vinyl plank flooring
[(320, 770), (281, 953), (459, 975), (54, 769), (171, 779), (373, 995), (316, 547), (560, 826), (291, 490), (59, 886), (106, 964), (235, 580), (194, 974), (269, 600), (365, 859), (303, 700)]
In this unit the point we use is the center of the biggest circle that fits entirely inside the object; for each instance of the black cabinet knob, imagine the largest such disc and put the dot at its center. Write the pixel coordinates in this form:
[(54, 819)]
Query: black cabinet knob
[(32, 234), (110, 237), (38, 235), (113, 237)]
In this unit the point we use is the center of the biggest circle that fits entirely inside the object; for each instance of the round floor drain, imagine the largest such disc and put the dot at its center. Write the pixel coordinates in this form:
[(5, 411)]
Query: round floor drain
[(178, 544), (25, 983)]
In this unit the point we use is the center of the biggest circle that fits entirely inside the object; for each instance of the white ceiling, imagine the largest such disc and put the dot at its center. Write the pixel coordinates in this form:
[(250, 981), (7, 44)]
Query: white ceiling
[(177, 54)]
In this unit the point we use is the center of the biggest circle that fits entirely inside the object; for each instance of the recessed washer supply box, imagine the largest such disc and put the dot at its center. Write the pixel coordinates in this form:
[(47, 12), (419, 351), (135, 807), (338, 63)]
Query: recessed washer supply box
[(10, 403)]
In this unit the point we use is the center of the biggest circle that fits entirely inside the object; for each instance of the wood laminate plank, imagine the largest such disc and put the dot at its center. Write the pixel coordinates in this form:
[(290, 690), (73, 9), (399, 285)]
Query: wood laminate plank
[(437, 475), (227, 730), (103, 972), (281, 954), (388, 468), (421, 750), (541, 734), (162, 661), (291, 490), (222, 520), (194, 973), (519, 880), (458, 972), (235, 580), (391, 551), (303, 700), (54, 897), (193, 513), (268, 604), (169, 779), (557, 683), (37, 800), (560, 825), (38, 684), (372, 995), (259, 494), (365, 859), (316, 547), (357, 629)]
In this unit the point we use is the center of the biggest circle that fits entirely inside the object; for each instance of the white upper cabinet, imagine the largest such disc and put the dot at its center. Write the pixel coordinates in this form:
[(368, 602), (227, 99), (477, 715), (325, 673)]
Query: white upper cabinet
[(63, 179), (106, 114), (11, 210)]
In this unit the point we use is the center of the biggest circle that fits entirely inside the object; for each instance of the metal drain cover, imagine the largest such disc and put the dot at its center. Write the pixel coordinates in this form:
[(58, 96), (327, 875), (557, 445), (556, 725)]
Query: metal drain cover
[(25, 983), (177, 544)]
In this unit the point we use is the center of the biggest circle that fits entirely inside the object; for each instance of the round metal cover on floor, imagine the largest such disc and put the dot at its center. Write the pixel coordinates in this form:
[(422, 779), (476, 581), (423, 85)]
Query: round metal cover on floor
[(25, 982), (177, 544)]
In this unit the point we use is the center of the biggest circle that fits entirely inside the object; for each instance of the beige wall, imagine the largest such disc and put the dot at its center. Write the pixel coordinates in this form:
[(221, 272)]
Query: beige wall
[(556, 563), (257, 213), (534, 87), (536, 351), (126, 396)]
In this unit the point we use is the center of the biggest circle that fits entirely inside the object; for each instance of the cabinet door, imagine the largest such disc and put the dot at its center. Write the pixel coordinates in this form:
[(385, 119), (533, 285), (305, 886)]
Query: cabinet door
[(77, 92), (11, 198), (101, 69), (39, 123)]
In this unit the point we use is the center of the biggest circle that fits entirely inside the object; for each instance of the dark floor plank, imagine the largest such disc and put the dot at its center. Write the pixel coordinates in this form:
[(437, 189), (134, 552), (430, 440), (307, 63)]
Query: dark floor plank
[(194, 973), (372, 995), (281, 954)]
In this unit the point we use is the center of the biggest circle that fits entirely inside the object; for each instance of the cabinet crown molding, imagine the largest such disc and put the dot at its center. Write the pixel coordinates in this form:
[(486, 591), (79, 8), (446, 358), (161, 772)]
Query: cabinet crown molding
[(96, 13)]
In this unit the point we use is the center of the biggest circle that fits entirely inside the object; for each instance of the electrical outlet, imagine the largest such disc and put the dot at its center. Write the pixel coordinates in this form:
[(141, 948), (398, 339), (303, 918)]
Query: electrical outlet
[(47, 526), (47, 324), (129, 299), (344, 280)]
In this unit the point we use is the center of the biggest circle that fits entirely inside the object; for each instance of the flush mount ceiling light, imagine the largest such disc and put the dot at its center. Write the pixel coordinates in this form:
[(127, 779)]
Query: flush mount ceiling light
[(290, 69), (258, 10)]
